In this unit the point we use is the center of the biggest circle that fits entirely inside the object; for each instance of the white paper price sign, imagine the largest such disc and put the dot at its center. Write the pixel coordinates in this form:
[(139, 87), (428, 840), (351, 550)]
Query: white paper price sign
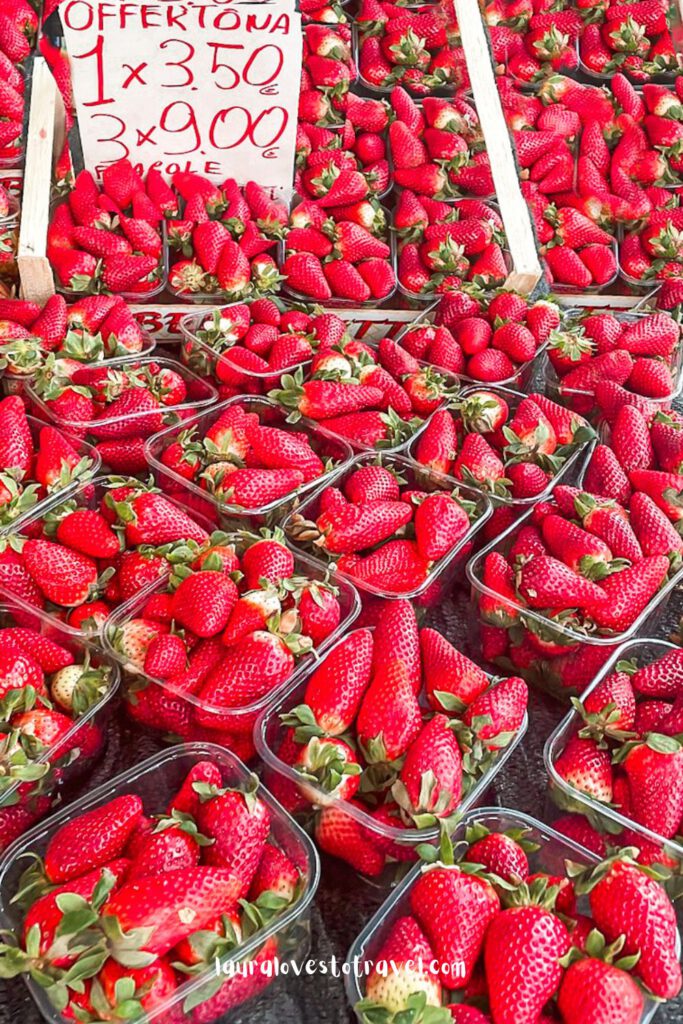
[(207, 87)]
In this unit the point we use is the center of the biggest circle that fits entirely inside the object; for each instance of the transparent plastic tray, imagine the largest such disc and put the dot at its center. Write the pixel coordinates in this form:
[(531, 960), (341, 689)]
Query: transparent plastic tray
[(156, 781), (445, 569), (328, 446), (564, 798), (241, 718), (269, 734), (554, 850), (199, 395)]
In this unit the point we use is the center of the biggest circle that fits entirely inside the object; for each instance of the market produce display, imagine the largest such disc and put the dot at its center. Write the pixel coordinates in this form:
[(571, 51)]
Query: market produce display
[(341, 466)]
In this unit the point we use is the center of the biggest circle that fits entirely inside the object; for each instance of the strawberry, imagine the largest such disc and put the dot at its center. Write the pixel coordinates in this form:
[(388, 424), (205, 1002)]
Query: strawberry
[(455, 909), (499, 853), (155, 904), (435, 754), (653, 768), (239, 823), (625, 902), (335, 690), (586, 767), (496, 716), (594, 991), (656, 535), (340, 835), (151, 518), (606, 477), (452, 681), (389, 719), (64, 576), (91, 839), (522, 951), (629, 592), (440, 523), (545, 582)]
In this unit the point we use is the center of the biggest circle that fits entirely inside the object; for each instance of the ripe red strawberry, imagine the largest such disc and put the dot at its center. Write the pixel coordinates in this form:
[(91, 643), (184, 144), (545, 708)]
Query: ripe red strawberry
[(395, 567), (593, 992), (629, 592), (500, 854), (586, 767), (87, 531), (396, 637), (546, 582), (64, 576), (435, 751), (352, 528), (663, 488), (656, 535), (166, 656), (389, 719), (661, 678), (455, 909), (452, 681), (440, 523), (627, 902), (496, 716), (239, 823), (653, 769), (335, 690), (340, 835), (157, 903), (92, 839), (630, 440), (151, 518), (606, 477), (16, 442)]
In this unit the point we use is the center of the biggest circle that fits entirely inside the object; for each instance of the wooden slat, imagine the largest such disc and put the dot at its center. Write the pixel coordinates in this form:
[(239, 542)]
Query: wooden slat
[(526, 272), (44, 140)]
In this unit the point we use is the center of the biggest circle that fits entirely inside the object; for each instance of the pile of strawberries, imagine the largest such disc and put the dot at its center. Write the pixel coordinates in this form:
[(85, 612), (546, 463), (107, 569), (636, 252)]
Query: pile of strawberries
[(511, 446), (373, 397), (204, 653), (247, 347), (391, 733), (37, 461), (18, 29), (417, 48), (638, 41), (490, 337), (606, 360), (224, 236), (579, 568), (97, 548), (437, 147), (378, 525), (109, 237), (337, 248), (48, 684), (181, 877), (327, 71), (243, 454), (523, 927), (442, 245), (357, 145), (531, 40), (117, 405), (619, 753), (94, 328)]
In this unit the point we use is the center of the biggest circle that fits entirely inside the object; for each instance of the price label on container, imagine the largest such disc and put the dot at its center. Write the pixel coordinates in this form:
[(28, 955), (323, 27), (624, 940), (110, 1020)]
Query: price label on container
[(207, 87)]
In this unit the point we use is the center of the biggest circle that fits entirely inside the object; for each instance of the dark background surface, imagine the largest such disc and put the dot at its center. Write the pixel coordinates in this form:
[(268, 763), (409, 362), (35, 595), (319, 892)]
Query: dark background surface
[(344, 903)]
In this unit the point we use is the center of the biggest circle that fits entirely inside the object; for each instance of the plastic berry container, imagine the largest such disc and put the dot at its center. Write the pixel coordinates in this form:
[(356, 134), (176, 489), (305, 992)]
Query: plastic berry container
[(133, 297), (568, 473), (90, 461), (269, 735), (202, 359), (156, 781), (560, 639), (77, 750), (332, 450), (521, 380), (88, 495), (565, 799), (200, 394), (14, 383), (236, 722), (553, 851), (337, 302), (582, 400), (444, 571)]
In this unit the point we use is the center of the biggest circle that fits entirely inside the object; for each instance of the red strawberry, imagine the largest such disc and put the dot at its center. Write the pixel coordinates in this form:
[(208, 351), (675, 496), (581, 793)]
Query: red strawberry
[(335, 690), (452, 681), (91, 839)]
